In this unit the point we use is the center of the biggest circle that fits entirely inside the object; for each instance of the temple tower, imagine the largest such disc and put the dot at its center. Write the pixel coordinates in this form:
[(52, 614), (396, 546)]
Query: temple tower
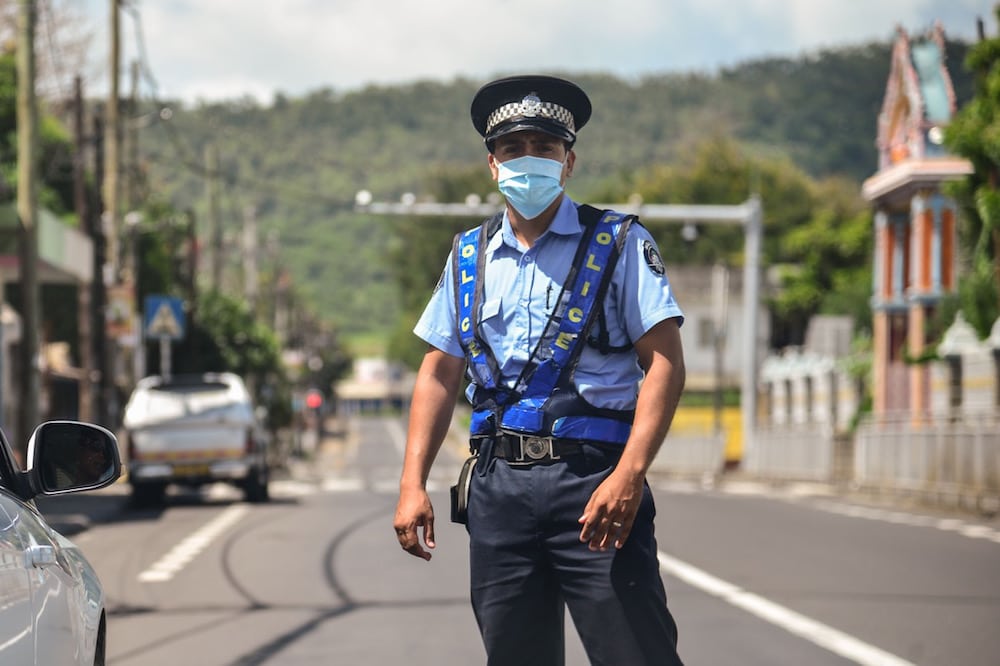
[(915, 224)]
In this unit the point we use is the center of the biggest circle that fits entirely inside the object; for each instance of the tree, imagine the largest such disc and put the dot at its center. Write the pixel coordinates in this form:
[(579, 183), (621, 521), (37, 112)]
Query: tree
[(816, 233), (419, 250), (974, 133), (224, 337), (55, 147), (223, 333), (817, 111), (64, 41), (831, 251)]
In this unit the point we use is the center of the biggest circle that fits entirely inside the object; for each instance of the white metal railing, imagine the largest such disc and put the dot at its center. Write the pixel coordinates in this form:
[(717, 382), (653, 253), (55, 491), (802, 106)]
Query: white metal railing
[(691, 454), (944, 457), (793, 451)]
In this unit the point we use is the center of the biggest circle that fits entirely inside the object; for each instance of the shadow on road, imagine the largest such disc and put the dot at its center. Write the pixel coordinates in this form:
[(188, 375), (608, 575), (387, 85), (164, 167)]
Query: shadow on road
[(72, 514)]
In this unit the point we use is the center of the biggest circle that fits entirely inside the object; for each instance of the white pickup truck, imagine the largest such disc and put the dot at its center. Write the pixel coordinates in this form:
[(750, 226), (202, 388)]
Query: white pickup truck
[(192, 430)]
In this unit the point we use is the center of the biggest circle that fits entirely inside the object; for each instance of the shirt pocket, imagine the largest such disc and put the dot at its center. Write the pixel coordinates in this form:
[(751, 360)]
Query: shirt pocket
[(491, 317)]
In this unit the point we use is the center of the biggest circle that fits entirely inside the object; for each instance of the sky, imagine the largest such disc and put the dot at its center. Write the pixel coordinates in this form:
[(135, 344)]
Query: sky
[(207, 50)]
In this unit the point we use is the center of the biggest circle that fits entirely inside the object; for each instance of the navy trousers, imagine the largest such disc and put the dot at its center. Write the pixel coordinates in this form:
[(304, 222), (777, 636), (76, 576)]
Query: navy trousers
[(528, 564)]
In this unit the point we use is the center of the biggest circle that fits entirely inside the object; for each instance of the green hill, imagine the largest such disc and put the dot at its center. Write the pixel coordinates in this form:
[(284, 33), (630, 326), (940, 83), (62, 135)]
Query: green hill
[(301, 161)]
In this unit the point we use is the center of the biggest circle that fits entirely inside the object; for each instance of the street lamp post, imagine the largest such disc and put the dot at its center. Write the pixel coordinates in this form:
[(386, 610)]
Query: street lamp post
[(749, 215)]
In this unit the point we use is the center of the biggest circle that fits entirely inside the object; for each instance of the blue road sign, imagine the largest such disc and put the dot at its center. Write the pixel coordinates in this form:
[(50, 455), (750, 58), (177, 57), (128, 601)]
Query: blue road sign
[(163, 317)]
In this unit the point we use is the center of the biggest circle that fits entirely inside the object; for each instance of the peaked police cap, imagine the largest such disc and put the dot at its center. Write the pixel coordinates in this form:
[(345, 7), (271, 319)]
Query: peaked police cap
[(543, 103)]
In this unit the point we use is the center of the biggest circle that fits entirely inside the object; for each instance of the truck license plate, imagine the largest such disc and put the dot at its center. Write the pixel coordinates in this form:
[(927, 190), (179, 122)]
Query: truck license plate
[(191, 470)]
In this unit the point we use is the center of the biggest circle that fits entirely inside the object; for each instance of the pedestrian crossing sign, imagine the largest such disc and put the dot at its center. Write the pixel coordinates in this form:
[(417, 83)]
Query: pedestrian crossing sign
[(164, 317)]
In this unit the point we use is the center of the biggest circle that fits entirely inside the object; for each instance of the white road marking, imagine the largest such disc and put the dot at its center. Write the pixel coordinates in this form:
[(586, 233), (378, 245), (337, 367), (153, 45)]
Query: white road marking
[(397, 435), (221, 491), (822, 635), (291, 488), (181, 554), (386, 486), (806, 492), (960, 527), (341, 484)]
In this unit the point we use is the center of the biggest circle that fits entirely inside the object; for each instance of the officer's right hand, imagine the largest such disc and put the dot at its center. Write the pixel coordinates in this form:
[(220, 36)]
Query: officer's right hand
[(413, 512)]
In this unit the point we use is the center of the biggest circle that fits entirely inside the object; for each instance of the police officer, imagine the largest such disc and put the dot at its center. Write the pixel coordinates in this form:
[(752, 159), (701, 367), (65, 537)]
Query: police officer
[(564, 321)]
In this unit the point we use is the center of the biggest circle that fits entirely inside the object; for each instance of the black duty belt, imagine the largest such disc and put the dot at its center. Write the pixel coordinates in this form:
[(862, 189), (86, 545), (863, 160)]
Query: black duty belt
[(532, 449)]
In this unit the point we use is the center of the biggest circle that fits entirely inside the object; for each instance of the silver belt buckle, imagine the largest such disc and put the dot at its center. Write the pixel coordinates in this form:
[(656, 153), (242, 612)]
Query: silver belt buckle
[(536, 448)]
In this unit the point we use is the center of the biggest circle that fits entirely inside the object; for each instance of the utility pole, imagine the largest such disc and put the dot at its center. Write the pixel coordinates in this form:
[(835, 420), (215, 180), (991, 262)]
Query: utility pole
[(190, 279), (250, 252), (99, 294), (214, 216), (27, 211), (720, 317), (112, 158), (277, 313), (132, 218), (282, 304), (750, 215), (112, 208), (131, 144), (82, 207)]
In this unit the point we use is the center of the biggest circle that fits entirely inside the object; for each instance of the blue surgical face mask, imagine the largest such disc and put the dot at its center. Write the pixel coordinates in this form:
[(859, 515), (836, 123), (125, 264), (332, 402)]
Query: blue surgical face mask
[(530, 183)]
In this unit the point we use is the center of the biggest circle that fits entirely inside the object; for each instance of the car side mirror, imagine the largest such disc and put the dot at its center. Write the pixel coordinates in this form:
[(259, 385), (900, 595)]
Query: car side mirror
[(70, 456)]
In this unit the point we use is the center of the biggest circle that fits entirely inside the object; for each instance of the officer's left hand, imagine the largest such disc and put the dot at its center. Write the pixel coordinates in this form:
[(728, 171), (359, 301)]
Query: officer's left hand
[(611, 511)]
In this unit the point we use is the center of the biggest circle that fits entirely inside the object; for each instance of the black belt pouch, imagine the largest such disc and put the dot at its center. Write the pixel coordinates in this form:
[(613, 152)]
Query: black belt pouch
[(460, 492)]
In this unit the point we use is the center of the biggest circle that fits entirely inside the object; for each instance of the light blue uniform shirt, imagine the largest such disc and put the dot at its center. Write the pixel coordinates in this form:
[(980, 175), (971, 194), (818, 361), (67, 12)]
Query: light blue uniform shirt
[(521, 288)]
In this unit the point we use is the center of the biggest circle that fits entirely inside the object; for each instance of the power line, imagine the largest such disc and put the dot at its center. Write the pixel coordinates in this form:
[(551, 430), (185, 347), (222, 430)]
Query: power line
[(140, 40), (54, 49)]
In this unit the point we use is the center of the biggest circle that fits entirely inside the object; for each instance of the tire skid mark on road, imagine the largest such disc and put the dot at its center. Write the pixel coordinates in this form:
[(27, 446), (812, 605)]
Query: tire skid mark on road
[(227, 559), (346, 603), (180, 555), (818, 633)]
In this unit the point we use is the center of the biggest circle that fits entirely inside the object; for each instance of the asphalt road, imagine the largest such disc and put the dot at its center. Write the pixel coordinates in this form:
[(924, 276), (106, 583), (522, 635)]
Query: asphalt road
[(754, 576)]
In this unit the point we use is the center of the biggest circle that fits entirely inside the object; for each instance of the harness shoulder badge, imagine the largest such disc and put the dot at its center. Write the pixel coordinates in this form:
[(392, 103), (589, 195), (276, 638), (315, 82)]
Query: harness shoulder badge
[(469, 258), (559, 347)]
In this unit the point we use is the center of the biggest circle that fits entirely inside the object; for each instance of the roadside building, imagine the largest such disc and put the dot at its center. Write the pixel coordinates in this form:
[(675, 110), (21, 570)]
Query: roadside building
[(64, 262)]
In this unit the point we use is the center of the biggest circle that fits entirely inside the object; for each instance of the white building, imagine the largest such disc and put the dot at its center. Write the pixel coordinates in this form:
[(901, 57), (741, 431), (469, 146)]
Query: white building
[(712, 299)]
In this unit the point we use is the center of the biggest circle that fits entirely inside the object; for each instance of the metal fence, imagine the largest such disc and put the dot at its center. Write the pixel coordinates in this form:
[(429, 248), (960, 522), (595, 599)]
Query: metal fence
[(953, 460), (690, 455), (793, 451)]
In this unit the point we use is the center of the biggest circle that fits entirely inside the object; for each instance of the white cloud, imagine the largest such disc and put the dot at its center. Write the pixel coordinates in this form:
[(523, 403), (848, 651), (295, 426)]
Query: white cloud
[(228, 48), (832, 23)]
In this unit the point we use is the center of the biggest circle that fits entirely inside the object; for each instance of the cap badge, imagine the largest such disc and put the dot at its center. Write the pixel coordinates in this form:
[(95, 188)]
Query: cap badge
[(531, 105)]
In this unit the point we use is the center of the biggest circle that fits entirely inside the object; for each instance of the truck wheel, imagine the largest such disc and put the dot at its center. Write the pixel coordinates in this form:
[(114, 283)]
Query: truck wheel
[(255, 486), (148, 494)]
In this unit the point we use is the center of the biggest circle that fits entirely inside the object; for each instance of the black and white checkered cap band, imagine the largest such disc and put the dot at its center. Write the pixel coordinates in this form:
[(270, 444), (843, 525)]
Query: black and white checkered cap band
[(531, 107)]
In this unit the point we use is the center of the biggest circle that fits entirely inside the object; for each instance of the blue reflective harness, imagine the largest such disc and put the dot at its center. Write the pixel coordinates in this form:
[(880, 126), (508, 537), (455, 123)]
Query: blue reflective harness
[(544, 401)]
